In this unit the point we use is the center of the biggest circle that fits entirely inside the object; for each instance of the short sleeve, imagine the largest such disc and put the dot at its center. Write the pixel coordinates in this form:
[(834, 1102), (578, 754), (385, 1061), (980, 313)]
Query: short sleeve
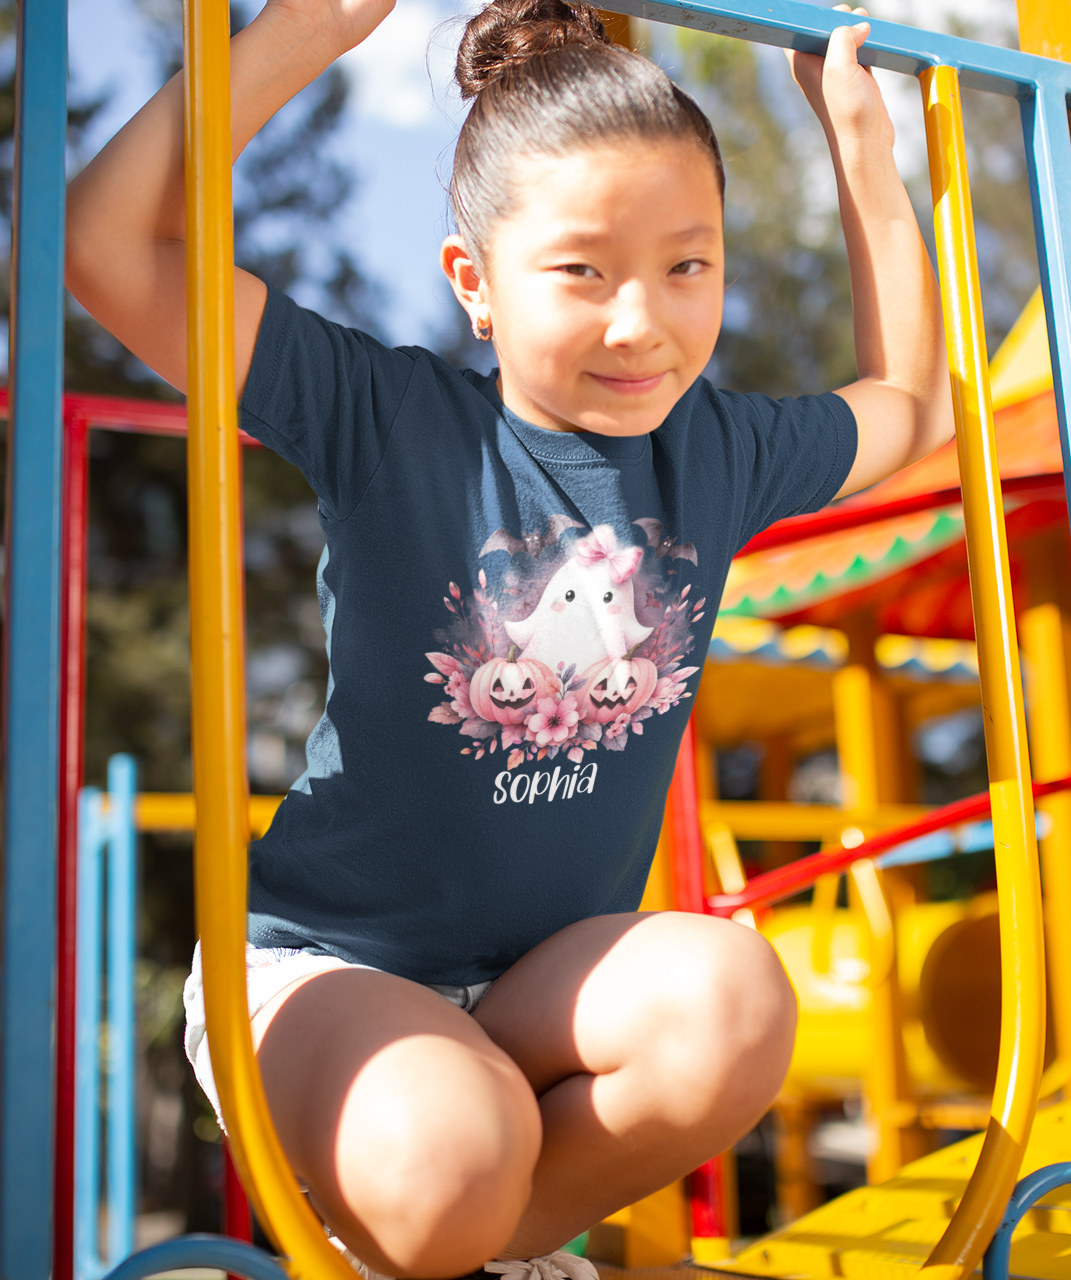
[(801, 453), (325, 398)]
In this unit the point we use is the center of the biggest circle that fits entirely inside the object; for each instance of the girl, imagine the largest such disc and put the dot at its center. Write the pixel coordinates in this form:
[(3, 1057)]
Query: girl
[(517, 589)]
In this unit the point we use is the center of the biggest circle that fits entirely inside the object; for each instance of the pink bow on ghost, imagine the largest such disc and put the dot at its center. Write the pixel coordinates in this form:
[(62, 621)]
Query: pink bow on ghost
[(601, 544)]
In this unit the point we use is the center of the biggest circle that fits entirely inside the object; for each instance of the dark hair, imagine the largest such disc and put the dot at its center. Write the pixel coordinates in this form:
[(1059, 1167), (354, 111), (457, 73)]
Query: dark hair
[(546, 80)]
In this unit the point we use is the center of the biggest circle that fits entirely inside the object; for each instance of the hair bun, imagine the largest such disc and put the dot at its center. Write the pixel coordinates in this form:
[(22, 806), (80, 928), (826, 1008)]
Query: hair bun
[(510, 32)]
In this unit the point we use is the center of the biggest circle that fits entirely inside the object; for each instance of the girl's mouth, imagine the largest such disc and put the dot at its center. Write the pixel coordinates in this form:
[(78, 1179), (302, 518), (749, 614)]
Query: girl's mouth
[(629, 386)]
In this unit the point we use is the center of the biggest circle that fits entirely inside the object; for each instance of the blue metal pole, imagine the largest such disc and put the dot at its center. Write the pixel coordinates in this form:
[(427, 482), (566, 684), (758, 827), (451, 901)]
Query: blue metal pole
[(1048, 154), (31, 657), (87, 1124), (121, 944)]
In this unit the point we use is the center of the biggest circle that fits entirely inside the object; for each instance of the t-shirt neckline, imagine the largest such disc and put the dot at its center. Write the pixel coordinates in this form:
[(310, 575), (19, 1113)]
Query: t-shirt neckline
[(570, 446)]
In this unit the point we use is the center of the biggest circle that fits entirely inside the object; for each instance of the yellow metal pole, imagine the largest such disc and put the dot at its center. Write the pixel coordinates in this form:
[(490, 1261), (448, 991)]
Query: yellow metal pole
[(1022, 1033), (1045, 629), (217, 643)]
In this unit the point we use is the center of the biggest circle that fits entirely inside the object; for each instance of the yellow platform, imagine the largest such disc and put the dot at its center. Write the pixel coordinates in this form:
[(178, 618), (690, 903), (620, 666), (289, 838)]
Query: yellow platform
[(886, 1232)]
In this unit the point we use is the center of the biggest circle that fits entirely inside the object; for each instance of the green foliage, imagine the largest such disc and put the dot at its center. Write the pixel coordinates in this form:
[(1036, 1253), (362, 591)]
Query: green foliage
[(787, 323)]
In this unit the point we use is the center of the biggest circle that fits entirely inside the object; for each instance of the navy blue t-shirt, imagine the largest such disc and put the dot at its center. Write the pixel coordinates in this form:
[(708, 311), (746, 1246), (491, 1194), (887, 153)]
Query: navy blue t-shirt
[(516, 619)]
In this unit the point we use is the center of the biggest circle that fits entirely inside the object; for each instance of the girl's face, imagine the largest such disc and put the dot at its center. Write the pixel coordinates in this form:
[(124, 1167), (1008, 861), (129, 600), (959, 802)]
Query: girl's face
[(604, 289)]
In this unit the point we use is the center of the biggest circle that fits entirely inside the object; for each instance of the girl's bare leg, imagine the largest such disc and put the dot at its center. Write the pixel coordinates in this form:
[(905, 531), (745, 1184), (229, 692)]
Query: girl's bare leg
[(653, 1042), (417, 1135)]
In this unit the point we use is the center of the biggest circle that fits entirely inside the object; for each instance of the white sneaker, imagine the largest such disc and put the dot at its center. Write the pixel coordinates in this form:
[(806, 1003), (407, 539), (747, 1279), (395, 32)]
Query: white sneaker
[(551, 1266)]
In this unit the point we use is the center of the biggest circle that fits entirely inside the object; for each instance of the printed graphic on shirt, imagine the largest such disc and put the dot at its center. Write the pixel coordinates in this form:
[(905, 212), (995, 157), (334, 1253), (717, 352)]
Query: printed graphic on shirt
[(580, 640)]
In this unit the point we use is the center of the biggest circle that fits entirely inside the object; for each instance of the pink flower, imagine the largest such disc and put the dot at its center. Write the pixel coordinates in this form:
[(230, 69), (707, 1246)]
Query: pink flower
[(617, 727), (553, 722), (667, 693), (457, 688)]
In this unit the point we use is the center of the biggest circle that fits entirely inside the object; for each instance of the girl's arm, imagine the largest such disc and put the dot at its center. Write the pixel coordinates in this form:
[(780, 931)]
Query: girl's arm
[(902, 400), (126, 256)]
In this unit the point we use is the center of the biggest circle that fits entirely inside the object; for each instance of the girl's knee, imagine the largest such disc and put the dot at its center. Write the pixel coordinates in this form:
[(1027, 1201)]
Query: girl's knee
[(722, 1009), (440, 1174)]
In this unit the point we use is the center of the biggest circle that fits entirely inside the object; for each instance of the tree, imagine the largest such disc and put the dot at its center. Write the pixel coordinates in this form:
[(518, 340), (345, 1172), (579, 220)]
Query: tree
[(788, 327)]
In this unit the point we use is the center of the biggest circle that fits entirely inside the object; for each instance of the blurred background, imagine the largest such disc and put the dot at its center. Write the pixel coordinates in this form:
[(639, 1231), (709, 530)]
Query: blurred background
[(340, 201)]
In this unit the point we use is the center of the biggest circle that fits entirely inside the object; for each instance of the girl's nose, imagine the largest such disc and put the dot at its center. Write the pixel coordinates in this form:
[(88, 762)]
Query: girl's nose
[(632, 321)]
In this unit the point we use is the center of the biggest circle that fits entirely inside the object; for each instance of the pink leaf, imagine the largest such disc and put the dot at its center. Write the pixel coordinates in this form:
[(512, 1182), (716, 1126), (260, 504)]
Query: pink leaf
[(515, 758), (696, 617), (483, 579), (444, 714), (433, 677), (686, 590), (455, 590), (479, 754), (449, 605), (466, 751)]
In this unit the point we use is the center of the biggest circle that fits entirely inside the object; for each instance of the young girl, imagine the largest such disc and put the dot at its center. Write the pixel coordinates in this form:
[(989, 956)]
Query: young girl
[(519, 583)]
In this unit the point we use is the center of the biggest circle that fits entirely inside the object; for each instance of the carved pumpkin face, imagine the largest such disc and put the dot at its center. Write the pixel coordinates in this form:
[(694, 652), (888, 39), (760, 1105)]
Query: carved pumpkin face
[(505, 692), (619, 685)]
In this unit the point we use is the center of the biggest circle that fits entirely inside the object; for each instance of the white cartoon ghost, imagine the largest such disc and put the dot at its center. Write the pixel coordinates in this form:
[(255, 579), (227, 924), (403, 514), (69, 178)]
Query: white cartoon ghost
[(587, 610)]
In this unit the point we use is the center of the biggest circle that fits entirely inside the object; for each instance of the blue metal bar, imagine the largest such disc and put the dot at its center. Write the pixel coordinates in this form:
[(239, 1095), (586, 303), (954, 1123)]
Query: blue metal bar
[(1027, 1193), (1048, 155), (122, 786), (800, 25), (200, 1251), (31, 658), (91, 837)]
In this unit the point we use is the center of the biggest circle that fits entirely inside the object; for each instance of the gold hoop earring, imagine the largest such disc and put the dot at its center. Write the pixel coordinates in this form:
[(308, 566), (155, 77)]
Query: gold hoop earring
[(481, 331)]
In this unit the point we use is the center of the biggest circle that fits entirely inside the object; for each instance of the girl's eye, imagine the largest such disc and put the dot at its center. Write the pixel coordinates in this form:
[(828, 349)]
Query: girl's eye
[(570, 596), (690, 268), (579, 269), (608, 597)]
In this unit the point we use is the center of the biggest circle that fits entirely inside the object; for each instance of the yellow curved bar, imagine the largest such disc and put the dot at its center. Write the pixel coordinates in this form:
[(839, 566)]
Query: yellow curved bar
[(217, 643), (1022, 1031)]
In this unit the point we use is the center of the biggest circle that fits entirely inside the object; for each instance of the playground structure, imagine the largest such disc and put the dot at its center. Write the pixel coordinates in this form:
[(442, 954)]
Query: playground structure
[(40, 753)]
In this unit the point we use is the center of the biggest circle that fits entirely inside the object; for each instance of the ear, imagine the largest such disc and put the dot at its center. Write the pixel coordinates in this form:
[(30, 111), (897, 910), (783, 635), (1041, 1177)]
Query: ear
[(468, 284)]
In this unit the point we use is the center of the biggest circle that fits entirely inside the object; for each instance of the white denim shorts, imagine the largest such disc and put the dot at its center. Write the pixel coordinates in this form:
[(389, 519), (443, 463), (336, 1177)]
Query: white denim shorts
[(268, 970)]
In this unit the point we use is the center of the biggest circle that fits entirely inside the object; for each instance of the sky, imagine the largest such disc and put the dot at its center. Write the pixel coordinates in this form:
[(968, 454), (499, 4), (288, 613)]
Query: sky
[(403, 118)]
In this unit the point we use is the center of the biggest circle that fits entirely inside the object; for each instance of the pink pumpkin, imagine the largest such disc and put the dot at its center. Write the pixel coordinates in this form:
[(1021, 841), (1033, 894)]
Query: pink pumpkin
[(505, 691), (617, 685)]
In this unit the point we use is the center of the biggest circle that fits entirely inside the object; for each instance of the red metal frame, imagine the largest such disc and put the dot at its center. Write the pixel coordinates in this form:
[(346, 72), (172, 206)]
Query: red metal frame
[(72, 668), (785, 881), (80, 414), (838, 519), (237, 1215)]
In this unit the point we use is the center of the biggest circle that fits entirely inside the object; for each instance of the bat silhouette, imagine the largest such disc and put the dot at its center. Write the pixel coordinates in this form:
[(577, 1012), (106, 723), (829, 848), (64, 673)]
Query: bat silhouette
[(665, 546), (533, 543)]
